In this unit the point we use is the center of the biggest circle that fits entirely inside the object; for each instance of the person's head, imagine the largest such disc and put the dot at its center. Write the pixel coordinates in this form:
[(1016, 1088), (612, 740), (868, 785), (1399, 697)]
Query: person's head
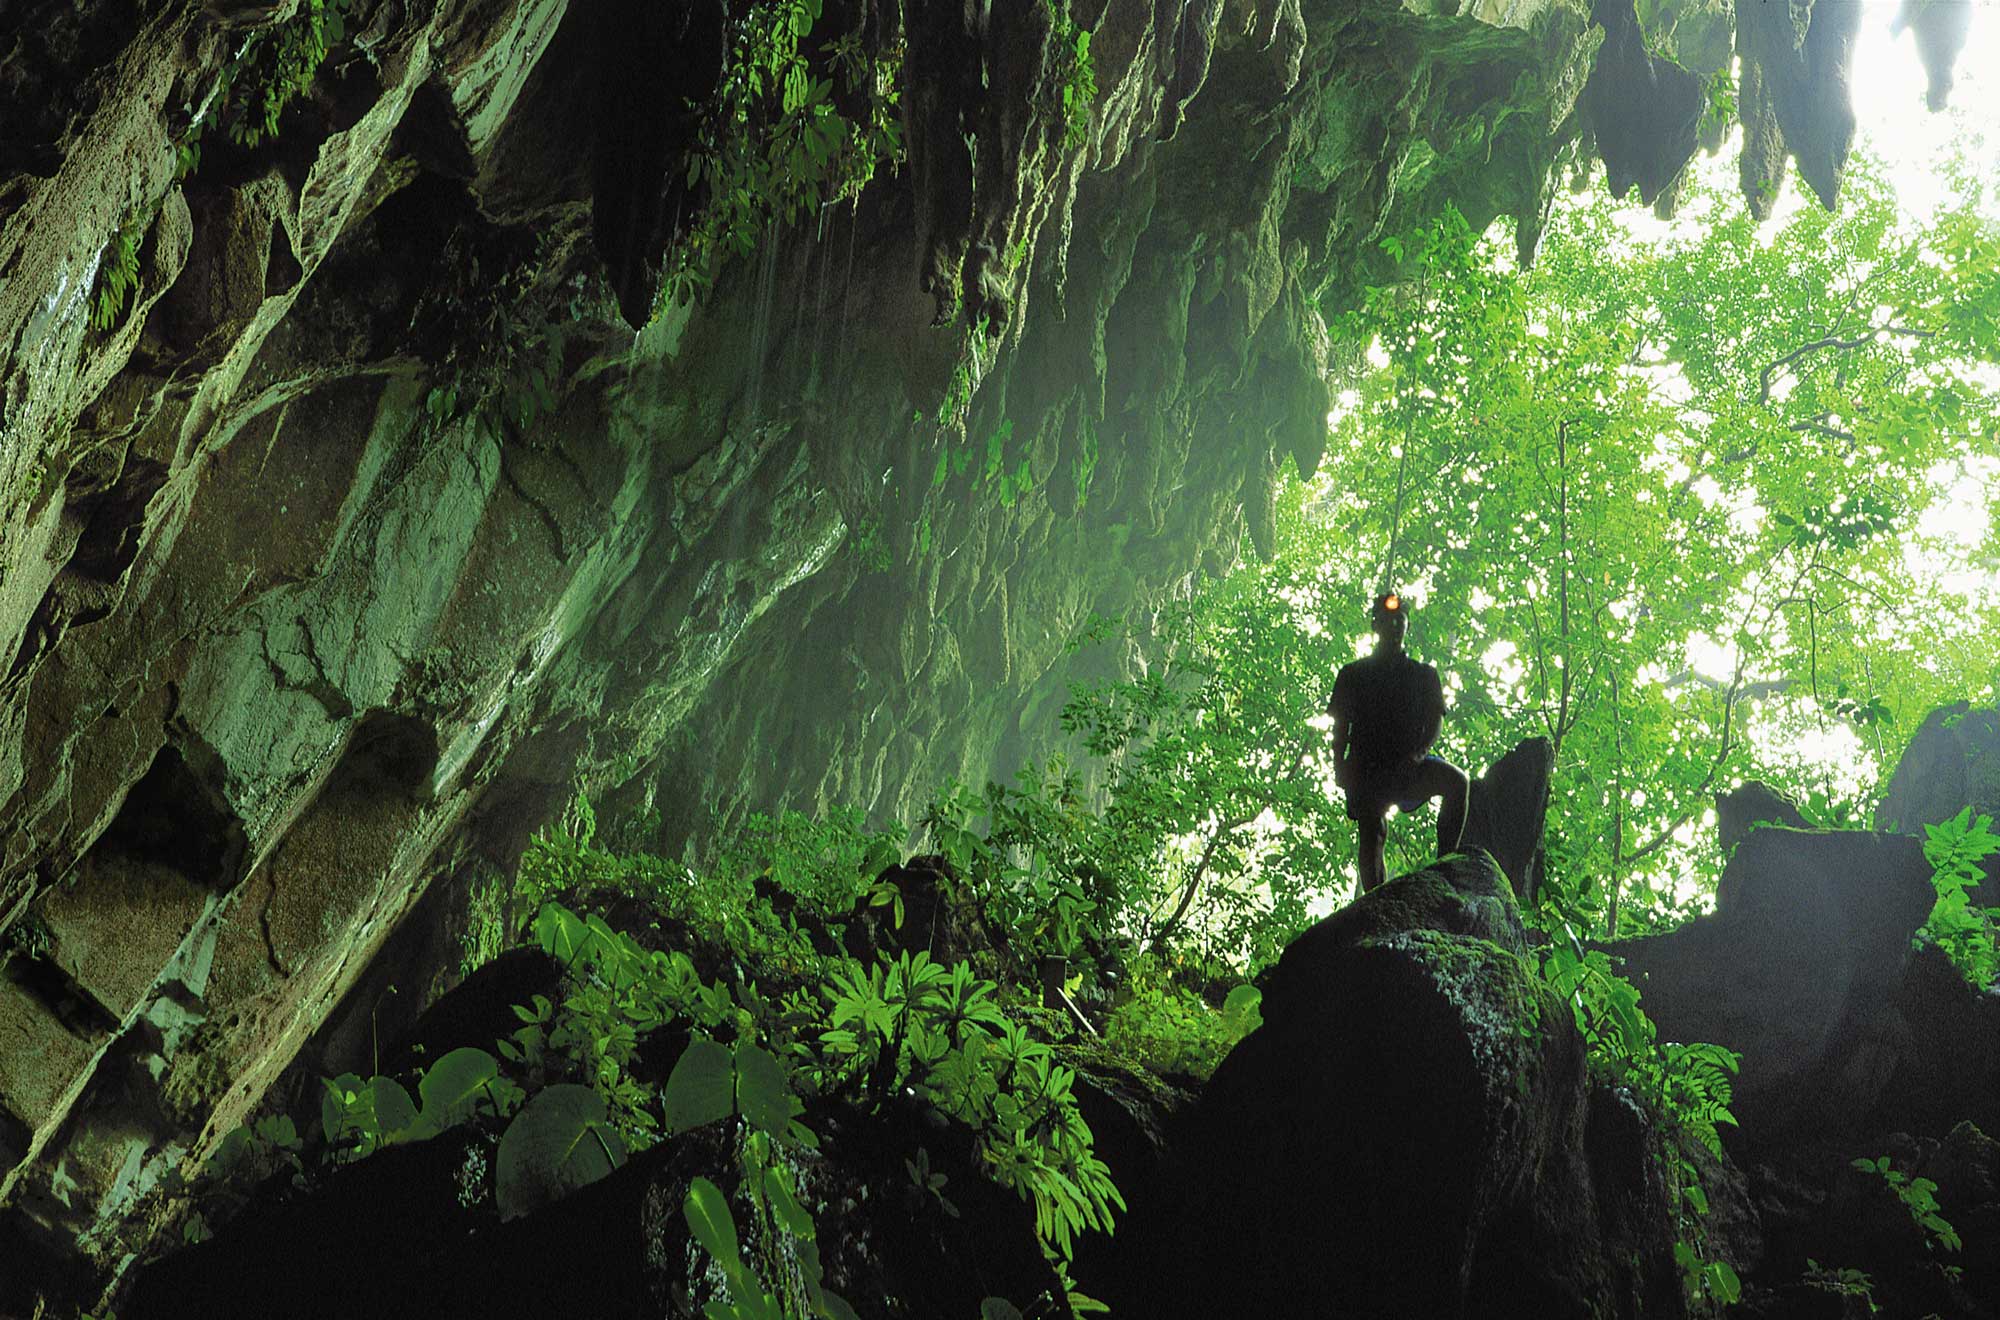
[(1390, 616)]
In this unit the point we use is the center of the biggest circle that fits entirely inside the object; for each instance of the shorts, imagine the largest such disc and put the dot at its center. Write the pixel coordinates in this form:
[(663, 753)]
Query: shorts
[(1368, 799)]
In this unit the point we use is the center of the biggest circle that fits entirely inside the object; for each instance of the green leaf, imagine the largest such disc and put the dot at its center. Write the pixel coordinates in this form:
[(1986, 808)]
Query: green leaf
[(453, 1086), (391, 1105), (998, 1308), (763, 1090), (791, 1216), (560, 1141), (701, 1088), (1241, 1009), (707, 1213)]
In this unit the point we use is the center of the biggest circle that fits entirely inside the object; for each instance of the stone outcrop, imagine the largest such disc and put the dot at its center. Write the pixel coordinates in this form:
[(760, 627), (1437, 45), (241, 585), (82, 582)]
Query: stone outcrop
[(1951, 763), (1793, 96), (1507, 811), (1940, 31), (1412, 1132), (1797, 969), (1748, 805)]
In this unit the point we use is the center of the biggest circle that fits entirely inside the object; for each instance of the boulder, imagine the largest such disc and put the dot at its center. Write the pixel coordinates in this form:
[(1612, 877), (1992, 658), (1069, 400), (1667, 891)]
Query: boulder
[(1749, 805), (1412, 1132), (1948, 1063), (1506, 811), (1952, 762), (1796, 968)]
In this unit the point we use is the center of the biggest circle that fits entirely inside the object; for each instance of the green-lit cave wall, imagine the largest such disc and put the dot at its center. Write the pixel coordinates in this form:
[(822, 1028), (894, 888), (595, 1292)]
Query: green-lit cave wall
[(370, 528)]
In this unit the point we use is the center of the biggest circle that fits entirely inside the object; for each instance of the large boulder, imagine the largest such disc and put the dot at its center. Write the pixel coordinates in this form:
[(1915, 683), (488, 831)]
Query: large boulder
[(1948, 1063), (1748, 805), (1952, 762), (1797, 968), (1412, 1132)]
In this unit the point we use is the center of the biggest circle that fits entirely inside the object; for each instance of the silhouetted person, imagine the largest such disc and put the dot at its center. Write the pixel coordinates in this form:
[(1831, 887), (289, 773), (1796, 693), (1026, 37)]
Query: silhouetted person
[(1386, 712)]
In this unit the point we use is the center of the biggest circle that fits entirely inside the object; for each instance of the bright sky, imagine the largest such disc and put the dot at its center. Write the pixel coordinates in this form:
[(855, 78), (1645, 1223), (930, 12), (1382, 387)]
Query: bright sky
[(1888, 90)]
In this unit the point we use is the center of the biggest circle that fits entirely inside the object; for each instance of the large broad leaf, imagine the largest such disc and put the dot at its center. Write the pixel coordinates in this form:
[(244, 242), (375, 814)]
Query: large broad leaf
[(365, 1115), (393, 1108), (560, 932), (701, 1088), (763, 1091), (560, 1141), (454, 1087)]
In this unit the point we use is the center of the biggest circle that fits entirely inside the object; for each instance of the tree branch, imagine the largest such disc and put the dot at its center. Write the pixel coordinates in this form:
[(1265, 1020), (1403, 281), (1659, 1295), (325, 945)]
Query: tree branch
[(1832, 341)]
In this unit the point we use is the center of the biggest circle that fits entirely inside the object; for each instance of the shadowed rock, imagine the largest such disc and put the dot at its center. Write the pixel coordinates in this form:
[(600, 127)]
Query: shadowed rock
[(1940, 27), (1793, 96), (1952, 762), (1411, 1132), (1507, 811), (1644, 109), (1755, 803), (1795, 969)]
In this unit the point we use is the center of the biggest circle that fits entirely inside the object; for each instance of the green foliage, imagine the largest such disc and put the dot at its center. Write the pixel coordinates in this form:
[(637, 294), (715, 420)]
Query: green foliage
[(485, 930), (277, 66), (1689, 1084), (773, 145), (561, 1140), (893, 1028), (1969, 935), (273, 68), (1718, 109), (531, 391), (1170, 1030), (29, 937), (1919, 1198), (1656, 500), (914, 1026), (790, 1240), (117, 274), (1076, 73), (1842, 1282)]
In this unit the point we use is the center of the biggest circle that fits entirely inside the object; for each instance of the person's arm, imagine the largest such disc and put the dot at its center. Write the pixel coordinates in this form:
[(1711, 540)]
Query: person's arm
[(1433, 721), (1342, 737)]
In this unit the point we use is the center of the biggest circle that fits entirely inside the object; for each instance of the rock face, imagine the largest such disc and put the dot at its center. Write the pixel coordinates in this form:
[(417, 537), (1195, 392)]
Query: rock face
[(1411, 1132), (1749, 805), (1797, 968), (1952, 762), (361, 528), (1793, 96)]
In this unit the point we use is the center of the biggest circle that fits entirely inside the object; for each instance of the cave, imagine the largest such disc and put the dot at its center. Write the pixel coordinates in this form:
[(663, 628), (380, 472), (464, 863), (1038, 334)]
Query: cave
[(695, 659)]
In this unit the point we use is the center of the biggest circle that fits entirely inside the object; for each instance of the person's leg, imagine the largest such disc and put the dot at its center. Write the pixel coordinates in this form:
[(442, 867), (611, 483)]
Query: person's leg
[(1446, 782), (1371, 835)]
